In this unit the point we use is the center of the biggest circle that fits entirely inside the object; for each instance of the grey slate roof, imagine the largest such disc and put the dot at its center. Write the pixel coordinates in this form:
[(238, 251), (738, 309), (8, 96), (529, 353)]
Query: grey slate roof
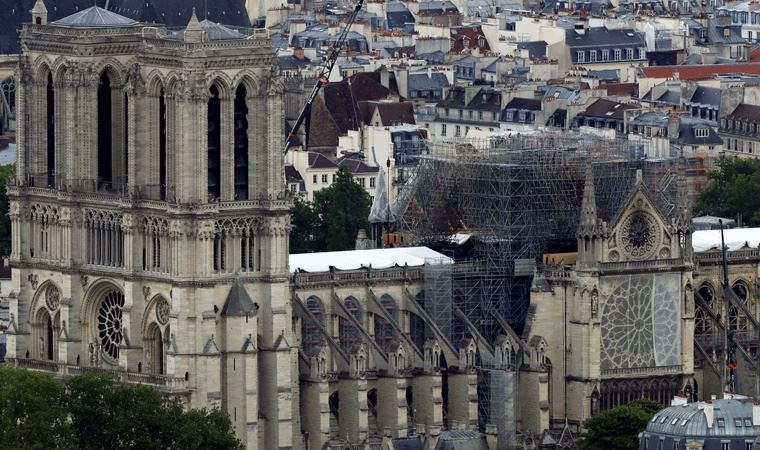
[(604, 37), (218, 32), (95, 17), (238, 302), (423, 82), (706, 96), (696, 424), (536, 49)]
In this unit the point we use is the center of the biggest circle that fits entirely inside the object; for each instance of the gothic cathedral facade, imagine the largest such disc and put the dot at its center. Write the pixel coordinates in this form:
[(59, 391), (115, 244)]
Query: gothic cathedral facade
[(150, 227)]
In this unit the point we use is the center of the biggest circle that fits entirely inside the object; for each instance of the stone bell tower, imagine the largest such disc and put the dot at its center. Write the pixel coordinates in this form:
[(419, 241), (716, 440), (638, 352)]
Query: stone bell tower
[(150, 220)]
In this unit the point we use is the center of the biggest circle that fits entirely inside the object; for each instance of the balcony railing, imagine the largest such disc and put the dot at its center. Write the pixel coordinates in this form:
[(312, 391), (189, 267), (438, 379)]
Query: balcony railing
[(163, 382), (642, 371)]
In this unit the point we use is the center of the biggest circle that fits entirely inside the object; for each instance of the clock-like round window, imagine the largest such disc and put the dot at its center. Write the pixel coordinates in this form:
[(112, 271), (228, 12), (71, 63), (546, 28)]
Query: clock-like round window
[(162, 311), (639, 235), (110, 325), (52, 297)]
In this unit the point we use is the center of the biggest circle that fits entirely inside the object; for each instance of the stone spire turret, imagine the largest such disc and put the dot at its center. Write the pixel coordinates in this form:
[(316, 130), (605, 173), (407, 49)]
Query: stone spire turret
[(39, 13), (589, 221), (194, 31)]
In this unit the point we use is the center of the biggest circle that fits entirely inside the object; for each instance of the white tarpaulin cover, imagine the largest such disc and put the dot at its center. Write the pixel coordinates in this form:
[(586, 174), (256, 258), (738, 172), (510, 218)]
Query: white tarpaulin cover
[(736, 239), (356, 259)]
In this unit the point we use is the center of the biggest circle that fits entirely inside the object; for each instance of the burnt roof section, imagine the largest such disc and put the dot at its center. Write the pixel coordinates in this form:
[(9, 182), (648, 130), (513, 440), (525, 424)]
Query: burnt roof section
[(238, 302)]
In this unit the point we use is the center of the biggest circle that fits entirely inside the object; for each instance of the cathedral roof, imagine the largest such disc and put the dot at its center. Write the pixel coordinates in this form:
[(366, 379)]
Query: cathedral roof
[(95, 17), (238, 302), (216, 31)]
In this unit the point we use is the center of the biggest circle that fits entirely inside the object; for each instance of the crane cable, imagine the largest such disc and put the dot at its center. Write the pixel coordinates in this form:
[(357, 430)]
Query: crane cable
[(324, 74)]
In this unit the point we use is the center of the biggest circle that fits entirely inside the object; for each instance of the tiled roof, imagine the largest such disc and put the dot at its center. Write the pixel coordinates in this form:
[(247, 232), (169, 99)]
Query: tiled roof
[(473, 34), (700, 72), (529, 104), (355, 165), (395, 113), (604, 37), (423, 82), (606, 109), (621, 89), (292, 175), (320, 161), (745, 112)]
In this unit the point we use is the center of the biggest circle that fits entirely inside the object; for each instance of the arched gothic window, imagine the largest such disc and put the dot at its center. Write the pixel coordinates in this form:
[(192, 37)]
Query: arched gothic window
[(312, 336), (349, 334), (105, 134), (702, 323), (214, 145), (241, 144), (706, 292), (50, 123), (384, 331)]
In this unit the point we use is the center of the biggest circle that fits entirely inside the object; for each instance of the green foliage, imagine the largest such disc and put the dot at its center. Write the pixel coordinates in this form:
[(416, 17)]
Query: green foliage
[(303, 220), (6, 172), (332, 221), (619, 427), (32, 411), (95, 413), (734, 190)]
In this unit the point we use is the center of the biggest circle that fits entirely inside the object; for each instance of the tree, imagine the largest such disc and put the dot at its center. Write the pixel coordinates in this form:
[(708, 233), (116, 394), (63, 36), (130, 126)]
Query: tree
[(94, 412), (6, 172), (107, 415), (734, 190), (619, 427), (33, 411), (341, 209), (303, 220), (332, 221)]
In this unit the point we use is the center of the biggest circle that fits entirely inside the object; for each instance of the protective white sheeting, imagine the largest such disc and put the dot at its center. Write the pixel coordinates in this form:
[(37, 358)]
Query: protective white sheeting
[(356, 259), (736, 239)]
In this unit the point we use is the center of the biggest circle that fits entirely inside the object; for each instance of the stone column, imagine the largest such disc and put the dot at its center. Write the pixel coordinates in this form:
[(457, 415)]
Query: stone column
[(315, 411), (428, 400), (463, 399), (275, 131), (258, 150), (24, 124), (391, 405)]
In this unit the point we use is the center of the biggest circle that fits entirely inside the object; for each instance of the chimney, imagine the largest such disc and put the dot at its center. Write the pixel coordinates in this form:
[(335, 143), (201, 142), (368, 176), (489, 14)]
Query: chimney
[(430, 72), (298, 53), (674, 125), (385, 78), (581, 26)]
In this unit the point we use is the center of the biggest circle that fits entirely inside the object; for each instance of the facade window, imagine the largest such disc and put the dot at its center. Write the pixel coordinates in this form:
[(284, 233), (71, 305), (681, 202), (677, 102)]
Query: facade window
[(334, 178), (461, 113), (629, 53), (293, 187), (324, 178), (448, 113), (471, 114), (592, 56), (642, 53), (617, 54), (581, 57), (494, 116), (457, 131), (362, 181), (314, 179), (701, 132), (443, 129), (371, 182), (605, 55)]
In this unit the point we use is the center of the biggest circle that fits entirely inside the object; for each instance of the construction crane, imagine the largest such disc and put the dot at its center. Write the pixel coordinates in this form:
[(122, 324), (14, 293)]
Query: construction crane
[(324, 73)]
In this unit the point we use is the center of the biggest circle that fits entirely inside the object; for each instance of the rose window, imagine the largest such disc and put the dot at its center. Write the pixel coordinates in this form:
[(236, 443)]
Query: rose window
[(110, 326), (52, 297), (162, 311), (639, 234)]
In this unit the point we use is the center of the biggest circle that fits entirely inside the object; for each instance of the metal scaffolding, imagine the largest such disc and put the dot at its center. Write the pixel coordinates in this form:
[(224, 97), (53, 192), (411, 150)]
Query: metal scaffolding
[(516, 198)]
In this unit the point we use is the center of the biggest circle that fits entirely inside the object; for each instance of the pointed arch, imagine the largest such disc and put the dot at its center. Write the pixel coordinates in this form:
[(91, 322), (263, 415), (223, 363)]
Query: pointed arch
[(241, 140), (214, 142)]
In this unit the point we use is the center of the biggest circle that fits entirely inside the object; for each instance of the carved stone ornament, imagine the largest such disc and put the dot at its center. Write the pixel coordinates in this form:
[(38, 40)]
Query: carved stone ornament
[(639, 235), (162, 311), (52, 297)]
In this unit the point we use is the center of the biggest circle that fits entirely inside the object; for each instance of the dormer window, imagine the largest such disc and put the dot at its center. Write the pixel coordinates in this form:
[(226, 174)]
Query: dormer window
[(727, 32), (481, 42), (581, 57), (701, 132), (466, 42), (617, 54)]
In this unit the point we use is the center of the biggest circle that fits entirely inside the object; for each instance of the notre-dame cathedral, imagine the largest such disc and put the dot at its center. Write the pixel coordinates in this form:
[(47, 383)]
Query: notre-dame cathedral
[(150, 241)]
